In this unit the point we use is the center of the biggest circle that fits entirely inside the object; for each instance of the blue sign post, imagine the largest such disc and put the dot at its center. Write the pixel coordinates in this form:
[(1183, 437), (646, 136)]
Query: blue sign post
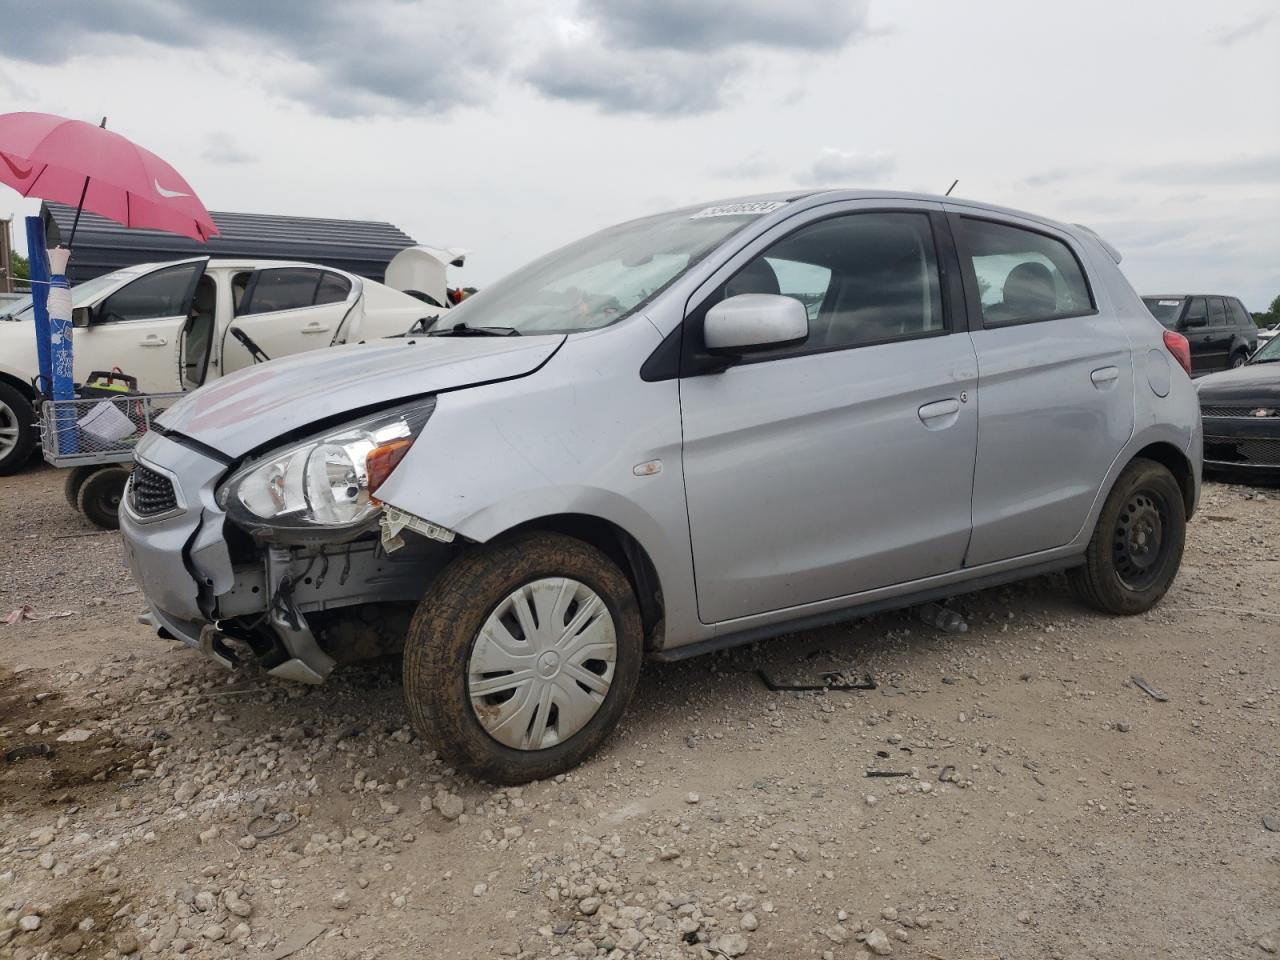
[(39, 261), (60, 332)]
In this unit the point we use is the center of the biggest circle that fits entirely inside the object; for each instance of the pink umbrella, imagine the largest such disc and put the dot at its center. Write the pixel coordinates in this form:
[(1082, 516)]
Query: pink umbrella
[(74, 162)]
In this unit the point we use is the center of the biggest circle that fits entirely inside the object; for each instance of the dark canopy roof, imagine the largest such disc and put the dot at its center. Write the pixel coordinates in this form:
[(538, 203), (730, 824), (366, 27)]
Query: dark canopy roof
[(363, 247)]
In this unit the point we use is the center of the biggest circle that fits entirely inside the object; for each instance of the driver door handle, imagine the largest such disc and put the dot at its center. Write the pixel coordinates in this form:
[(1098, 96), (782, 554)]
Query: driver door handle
[(153, 341), (315, 326)]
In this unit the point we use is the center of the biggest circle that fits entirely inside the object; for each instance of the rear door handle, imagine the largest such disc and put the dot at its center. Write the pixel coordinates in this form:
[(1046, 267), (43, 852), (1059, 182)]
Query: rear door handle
[(931, 412), (153, 341), (1104, 375), (316, 327)]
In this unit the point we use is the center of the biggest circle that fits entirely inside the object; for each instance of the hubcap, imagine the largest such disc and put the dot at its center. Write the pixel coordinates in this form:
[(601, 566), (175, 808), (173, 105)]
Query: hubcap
[(8, 430), (542, 664), (1139, 546)]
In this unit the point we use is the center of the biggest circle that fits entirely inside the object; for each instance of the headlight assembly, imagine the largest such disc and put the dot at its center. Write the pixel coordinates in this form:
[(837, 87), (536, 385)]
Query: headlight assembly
[(325, 484)]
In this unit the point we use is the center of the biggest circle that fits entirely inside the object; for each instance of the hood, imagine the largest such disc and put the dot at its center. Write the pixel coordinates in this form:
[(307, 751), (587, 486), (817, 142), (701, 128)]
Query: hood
[(260, 403), (1254, 382)]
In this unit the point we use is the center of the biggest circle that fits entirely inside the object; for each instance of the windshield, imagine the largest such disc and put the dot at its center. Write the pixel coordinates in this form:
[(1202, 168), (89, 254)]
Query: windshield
[(1165, 309), (604, 277), (1269, 352), (82, 294)]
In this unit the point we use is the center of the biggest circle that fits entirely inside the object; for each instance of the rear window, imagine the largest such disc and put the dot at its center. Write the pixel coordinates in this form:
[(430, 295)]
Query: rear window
[(1217, 312), (286, 288), (1024, 276), (1165, 309)]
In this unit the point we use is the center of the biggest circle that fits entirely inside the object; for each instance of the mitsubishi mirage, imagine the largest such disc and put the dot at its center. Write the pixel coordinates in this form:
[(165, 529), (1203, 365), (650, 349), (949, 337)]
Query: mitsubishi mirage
[(694, 430)]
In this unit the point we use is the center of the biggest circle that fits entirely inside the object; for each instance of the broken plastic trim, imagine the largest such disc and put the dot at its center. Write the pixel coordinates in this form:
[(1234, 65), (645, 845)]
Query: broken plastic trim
[(394, 522)]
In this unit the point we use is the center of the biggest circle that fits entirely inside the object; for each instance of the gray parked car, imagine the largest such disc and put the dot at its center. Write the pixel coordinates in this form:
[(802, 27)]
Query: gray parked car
[(693, 430)]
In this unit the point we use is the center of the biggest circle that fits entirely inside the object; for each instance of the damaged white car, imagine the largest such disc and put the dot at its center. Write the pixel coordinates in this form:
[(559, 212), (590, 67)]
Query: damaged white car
[(698, 429), (175, 326)]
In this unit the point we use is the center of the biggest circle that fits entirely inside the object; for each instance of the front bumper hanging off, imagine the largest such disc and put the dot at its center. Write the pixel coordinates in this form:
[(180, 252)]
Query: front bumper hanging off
[(195, 591)]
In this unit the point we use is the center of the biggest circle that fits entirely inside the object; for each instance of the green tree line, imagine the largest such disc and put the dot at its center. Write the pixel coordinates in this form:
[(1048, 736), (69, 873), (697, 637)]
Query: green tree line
[(1271, 317)]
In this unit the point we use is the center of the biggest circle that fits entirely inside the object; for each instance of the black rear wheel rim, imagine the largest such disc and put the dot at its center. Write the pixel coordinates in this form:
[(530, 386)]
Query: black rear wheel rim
[(1140, 543)]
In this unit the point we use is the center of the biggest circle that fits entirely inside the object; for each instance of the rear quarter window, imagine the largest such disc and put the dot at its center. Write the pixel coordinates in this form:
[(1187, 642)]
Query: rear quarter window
[(1239, 315)]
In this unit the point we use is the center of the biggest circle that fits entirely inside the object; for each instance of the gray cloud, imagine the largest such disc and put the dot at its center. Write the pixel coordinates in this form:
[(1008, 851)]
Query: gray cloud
[(375, 57), (751, 167), (1232, 35), (1045, 178), (652, 81), (221, 147), (1252, 170), (673, 57), (843, 168), (722, 24)]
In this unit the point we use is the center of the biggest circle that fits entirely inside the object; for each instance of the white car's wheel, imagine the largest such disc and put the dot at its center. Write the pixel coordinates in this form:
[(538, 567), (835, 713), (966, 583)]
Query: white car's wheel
[(17, 429)]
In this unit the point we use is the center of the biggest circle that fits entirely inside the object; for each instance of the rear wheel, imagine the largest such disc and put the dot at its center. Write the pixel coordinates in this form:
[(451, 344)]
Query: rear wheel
[(1137, 544), (522, 657), (17, 429), (1238, 359), (100, 496)]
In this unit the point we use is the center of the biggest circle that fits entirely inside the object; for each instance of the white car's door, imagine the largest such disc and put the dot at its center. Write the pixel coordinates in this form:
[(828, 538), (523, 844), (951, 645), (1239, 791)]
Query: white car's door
[(286, 310), (139, 327)]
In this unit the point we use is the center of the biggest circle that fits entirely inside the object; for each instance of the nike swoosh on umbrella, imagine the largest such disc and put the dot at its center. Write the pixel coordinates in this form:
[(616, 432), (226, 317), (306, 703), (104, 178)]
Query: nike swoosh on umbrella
[(50, 157)]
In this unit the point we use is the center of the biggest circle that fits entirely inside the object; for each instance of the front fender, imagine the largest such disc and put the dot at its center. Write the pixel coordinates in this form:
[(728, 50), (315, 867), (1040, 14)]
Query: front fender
[(565, 440)]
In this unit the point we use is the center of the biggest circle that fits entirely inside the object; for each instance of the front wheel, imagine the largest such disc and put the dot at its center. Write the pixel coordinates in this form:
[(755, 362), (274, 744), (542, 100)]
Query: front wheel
[(522, 657), (1238, 360), (1137, 544)]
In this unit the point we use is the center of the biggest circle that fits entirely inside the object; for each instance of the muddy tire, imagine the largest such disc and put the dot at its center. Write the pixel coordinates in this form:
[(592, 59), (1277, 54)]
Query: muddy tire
[(1137, 544), (522, 657), (17, 430), (76, 477), (100, 495)]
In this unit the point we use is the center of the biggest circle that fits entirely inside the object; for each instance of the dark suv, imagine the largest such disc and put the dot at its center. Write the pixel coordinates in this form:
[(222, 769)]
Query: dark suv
[(1221, 332)]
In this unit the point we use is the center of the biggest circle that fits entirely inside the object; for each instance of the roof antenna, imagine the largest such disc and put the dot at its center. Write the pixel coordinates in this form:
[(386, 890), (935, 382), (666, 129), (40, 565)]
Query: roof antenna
[(952, 187)]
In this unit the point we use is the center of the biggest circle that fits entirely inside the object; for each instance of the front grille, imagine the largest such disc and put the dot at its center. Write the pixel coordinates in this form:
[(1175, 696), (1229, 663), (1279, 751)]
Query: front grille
[(1247, 412), (1264, 452), (151, 493)]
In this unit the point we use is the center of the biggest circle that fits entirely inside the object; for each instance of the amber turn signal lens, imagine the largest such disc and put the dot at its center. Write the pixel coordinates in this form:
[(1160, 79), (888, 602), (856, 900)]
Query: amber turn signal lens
[(382, 460)]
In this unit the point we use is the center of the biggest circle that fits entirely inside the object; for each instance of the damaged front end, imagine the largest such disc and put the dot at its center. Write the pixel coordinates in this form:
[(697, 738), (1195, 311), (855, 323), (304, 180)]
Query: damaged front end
[(289, 555)]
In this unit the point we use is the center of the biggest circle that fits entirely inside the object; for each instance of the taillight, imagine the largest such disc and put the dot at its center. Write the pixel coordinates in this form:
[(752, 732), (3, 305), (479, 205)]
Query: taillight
[(1178, 345)]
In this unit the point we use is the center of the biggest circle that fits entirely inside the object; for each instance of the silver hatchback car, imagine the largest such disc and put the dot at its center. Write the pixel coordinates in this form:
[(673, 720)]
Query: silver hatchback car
[(689, 431)]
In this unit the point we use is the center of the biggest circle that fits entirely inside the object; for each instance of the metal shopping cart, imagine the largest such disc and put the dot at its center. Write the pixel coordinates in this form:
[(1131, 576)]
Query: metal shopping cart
[(95, 436)]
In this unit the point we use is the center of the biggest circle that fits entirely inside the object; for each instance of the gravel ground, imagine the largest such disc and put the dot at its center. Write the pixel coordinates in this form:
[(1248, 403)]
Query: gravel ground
[(1043, 805)]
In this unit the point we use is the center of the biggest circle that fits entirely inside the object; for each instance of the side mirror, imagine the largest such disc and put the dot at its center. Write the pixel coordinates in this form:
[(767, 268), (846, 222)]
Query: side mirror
[(754, 321), (81, 317), (1195, 323)]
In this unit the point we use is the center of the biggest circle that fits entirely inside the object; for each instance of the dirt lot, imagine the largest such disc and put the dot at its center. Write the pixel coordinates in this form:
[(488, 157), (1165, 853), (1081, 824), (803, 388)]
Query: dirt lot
[(1048, 808)]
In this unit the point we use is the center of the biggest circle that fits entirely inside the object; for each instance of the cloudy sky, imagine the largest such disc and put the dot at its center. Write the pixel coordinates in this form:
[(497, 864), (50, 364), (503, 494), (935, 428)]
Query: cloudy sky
[(509, 128)]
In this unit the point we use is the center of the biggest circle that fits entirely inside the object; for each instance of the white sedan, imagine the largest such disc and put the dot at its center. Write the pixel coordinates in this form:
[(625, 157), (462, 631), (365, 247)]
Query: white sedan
[(172, 325)]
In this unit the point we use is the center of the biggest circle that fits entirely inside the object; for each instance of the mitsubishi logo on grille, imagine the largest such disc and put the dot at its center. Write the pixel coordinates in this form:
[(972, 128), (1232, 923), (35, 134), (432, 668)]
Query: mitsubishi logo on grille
[(1262, 412)]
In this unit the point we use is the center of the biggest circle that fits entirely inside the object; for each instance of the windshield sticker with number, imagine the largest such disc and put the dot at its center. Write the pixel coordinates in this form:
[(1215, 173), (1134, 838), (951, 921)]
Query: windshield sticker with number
[(751, 209)]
